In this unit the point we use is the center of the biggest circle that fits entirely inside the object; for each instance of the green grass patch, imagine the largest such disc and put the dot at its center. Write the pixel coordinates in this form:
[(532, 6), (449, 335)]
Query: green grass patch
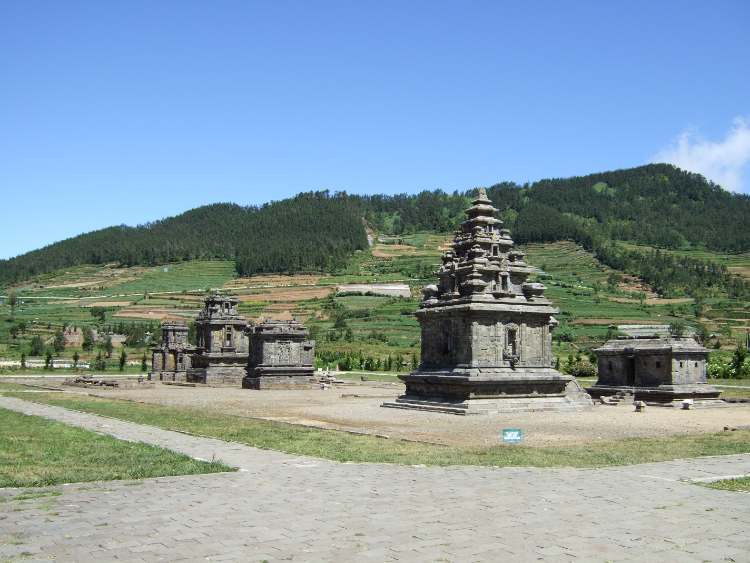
[(184, 276), (13, 387), (740, 485), (36, 452), (341, 446), (33, 495), (734, 393)]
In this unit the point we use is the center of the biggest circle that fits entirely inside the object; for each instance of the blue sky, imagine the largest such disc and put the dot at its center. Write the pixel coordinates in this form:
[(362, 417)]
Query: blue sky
[(126, 112)]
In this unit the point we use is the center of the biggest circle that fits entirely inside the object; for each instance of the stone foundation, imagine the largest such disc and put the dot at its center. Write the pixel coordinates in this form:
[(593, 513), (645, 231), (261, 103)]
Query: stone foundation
[(665, 395), (278, 382), (280, 377), (491, 393), (217, 375), (175, 376)]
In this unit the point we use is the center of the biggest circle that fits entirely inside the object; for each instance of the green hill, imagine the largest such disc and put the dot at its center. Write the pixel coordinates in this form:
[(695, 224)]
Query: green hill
[(657, 205), (312, 231)]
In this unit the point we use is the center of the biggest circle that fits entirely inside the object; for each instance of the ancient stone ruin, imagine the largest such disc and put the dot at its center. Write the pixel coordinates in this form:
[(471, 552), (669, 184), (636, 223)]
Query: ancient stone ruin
[(659, 371), (171, 360), (281, 356), (222, 343), (486, 331)]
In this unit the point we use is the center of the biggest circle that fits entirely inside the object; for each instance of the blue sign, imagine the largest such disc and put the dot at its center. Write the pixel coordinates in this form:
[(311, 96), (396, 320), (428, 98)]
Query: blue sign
[(512, 435)]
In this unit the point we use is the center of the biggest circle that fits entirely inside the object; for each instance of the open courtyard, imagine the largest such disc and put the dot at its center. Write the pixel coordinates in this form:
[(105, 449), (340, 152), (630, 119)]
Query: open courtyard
[(285, 507), (355, 407)]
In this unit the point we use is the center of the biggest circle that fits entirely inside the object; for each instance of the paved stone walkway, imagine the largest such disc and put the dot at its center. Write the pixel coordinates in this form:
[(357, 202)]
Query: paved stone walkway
[(282, 507)]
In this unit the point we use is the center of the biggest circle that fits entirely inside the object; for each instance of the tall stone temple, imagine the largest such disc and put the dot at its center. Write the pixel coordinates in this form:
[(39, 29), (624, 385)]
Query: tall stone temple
[(222, 342), (486, 331)]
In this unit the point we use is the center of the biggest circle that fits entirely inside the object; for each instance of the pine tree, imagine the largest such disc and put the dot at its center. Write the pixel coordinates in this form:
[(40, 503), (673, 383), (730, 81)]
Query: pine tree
[(123, 359), (37, 346), (12, 301), (88, 340), (100, 363), (59, 342)]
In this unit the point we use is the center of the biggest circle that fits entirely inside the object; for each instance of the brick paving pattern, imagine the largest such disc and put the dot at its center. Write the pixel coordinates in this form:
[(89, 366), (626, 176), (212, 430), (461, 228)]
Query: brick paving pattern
[(280, 507)]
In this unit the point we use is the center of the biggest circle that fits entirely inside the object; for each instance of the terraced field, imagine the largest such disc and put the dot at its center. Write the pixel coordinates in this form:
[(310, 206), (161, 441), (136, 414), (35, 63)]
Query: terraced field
[(590, 296)]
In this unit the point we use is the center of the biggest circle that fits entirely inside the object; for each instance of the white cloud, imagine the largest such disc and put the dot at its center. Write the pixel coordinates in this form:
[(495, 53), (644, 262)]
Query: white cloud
[(723, 162)]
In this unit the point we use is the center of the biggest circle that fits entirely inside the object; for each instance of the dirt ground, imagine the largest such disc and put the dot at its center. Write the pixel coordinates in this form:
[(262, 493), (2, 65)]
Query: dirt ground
[(392, 250), (356, 407), (271, 280), (287, 294), (150, 313)]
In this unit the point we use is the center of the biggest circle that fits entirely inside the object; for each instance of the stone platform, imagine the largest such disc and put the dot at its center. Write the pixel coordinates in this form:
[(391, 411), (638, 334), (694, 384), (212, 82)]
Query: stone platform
[(278, 377), (218, 375), (702, 395), (491, 393)]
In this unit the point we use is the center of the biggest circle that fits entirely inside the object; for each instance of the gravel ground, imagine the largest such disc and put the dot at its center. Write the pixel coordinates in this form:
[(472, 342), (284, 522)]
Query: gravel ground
[(356, 407)]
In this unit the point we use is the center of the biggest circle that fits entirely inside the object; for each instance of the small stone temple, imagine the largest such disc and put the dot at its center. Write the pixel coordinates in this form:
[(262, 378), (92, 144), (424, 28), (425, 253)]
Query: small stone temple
[(281, 356), (486, 331), (222, 343), (659, 371), (171, 360)]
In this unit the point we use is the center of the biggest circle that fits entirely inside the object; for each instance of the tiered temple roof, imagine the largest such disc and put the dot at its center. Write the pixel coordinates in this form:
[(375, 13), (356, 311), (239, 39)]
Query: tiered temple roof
[(482, 264)]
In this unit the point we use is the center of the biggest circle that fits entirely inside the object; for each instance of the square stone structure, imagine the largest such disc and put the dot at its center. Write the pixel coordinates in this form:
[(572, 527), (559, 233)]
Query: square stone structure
[(173, 358), (281, 356), (222, 343), (486, 331), (659, 371)]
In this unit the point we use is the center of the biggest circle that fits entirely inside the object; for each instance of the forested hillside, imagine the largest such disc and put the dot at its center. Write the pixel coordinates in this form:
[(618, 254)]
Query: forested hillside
[(657, 205), (312, 231)]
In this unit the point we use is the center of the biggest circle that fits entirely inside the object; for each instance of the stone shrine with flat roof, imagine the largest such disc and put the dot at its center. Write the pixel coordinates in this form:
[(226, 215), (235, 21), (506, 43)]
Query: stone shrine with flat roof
[(486, 331), (659, 371), (222, 343), (281, 356), (171, 360)]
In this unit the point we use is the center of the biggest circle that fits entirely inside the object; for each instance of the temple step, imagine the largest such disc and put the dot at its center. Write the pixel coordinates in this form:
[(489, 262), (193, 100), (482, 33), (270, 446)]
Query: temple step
[(494, 406)]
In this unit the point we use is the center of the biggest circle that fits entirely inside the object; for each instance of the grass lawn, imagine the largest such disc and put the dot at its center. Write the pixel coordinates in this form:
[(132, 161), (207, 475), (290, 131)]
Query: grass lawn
[(36, 452), (733, 393), (342, 446), (740, 485), (13, 387)]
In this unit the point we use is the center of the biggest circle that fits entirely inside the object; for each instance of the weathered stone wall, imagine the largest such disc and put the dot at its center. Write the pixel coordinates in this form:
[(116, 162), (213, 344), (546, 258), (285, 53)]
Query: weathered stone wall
[(483, 341), (688, 368), (612, 369), (652, 369)]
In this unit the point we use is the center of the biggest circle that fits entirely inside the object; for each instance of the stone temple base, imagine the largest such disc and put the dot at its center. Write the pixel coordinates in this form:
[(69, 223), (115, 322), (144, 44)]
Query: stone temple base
[(284, 377), (491, 392), (175, 376), (665, 395), (217, 375)]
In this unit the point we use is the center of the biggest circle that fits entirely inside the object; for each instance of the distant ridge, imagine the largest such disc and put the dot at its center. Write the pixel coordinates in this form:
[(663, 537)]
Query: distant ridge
[(657, 205)]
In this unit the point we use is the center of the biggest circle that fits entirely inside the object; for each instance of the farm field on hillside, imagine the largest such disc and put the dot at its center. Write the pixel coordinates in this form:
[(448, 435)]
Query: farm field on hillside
[(590, 296)]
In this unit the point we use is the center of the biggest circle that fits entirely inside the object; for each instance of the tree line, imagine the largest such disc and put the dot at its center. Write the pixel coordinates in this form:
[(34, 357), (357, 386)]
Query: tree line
[(312, 231), (657, 205)]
